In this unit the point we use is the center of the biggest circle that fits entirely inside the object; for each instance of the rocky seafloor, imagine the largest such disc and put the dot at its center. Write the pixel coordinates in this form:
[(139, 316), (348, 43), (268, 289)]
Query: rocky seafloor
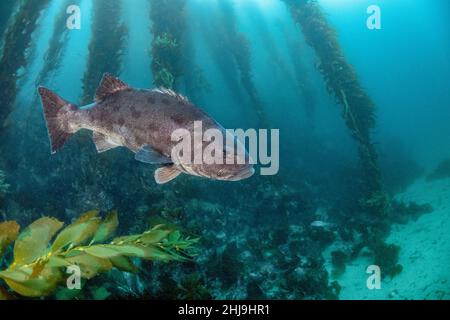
[(277, 241)]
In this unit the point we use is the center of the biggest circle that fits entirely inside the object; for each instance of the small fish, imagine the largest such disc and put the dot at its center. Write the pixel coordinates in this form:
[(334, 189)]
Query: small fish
[(321, 224), (143, 121)]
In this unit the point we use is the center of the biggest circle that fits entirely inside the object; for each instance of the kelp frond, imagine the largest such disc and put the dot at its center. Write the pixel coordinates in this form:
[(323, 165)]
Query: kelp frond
[(358, 109), (39, 265)]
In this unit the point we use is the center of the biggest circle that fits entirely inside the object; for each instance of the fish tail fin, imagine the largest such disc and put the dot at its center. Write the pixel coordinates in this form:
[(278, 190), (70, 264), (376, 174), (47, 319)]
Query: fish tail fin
[(56, 121)]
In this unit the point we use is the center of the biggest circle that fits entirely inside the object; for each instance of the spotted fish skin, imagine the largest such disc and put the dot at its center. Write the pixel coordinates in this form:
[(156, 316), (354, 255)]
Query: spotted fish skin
[(141, 120), (143, 117)]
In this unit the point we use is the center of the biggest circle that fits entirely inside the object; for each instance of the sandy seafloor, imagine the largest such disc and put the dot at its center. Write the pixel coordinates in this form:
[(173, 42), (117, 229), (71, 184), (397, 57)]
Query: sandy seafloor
[(424, 254)]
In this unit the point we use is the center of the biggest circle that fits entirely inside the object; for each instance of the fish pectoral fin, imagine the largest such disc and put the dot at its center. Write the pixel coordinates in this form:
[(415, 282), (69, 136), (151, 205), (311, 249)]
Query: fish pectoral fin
[(108, 86), (149, 155), (166, 174), (103, 143)]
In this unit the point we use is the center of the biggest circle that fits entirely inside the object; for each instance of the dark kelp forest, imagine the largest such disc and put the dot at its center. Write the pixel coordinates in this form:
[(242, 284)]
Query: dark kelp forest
[(253, 239)]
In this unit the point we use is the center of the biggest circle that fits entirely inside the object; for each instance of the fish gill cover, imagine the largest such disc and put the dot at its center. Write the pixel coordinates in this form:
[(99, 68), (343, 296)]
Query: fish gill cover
[(357, 208)]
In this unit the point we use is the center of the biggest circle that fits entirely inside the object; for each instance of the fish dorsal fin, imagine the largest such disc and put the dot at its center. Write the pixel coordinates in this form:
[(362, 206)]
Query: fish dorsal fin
[(108, 86), (166, 174), (149, 155), (172, 93)]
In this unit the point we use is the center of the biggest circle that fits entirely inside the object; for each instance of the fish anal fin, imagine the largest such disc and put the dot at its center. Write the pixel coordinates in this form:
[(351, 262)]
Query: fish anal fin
[(108, 86), (166, 174), (103, 143), (149, 155)]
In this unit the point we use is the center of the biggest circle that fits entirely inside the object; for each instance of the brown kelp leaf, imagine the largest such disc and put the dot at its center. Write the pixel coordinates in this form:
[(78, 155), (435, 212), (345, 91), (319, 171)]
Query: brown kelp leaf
[(124, 264), (77, 233), (30, 288), (89, 265), (156, 253), (8, 233), (4, 295), (107, 227), (32, 243), (87, 216), (38, 267), (41, 286)]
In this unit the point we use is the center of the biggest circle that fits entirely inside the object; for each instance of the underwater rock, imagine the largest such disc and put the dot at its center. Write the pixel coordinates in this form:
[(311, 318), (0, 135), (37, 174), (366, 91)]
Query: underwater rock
[(401, 212), (442, 171), (386, 257), (339, 259)]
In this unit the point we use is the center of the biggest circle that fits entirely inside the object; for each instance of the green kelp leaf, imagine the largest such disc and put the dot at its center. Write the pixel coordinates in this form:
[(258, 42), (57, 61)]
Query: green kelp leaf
[(154, 236), (90, 265), (124, 263), (107, 227), (130, 250), (174, 236), (157, 253), (103, 251), (32, 243), (8, 233), (77, 233), (109, 251), (16, 275), (150, 252), (126, 239), (57, 262)]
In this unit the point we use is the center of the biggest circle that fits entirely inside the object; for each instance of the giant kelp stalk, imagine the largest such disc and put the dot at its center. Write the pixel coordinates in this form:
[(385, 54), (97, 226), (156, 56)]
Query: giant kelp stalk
[(168, 28), (6, 10), (299, 74), (30, 131), (52, 59), (358, 109), (58, 42), (106, 46), (240, 49), (17, 40)]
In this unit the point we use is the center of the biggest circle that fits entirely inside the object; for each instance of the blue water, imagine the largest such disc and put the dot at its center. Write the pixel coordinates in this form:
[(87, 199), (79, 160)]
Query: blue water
[(253, 225)]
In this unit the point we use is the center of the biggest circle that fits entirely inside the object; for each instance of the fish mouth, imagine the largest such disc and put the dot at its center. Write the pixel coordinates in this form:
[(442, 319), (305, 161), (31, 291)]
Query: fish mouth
[(243, 174)]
